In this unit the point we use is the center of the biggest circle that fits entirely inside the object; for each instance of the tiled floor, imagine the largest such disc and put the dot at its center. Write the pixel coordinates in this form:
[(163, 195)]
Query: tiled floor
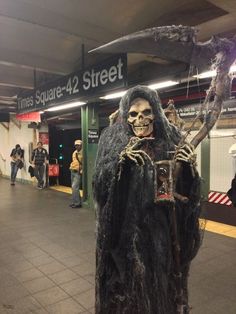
[(47, 258)]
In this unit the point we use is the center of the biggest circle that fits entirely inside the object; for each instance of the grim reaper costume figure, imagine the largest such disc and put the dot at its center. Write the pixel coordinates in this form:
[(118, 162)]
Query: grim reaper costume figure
[(136, 238)]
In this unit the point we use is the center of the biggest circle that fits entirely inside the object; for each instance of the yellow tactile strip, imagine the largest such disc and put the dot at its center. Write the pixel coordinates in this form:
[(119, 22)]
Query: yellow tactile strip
[(216, 227), (212, 226), (61, 188), (64, 189)]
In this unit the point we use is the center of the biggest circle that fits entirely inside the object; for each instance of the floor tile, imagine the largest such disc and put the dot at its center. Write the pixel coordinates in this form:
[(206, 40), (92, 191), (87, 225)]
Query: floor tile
[(38, 284), (63, 276), (86, 299), (67, 306), (77, 286), (71, 261), (24, 305), (19, 265), (84, 269), (12, 293), (41, 260), (51, 268), (50, 296), (27, 275)]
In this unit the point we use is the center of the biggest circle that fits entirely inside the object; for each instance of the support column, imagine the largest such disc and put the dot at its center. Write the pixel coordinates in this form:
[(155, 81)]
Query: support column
[(205, 167), (90, 130)]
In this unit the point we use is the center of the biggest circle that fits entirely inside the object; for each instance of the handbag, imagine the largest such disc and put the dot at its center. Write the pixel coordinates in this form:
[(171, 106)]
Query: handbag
[(19, 164)]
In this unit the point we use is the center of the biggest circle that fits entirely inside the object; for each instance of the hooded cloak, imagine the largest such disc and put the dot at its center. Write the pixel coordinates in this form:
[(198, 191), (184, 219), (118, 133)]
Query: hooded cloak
[(134, 254)]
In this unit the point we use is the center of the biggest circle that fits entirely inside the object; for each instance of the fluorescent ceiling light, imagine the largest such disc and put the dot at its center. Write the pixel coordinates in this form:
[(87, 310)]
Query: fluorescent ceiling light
[(66, 106), (163, 84), (152, 86), (114, 95), (213, 73), (206, 74)]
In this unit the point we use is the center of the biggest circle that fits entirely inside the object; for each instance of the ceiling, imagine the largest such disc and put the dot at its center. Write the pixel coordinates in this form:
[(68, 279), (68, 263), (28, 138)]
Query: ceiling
[(42, 40)]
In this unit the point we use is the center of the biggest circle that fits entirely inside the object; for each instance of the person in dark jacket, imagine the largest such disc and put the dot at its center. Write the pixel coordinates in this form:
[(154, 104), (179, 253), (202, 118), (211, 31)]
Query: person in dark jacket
[(39, 160), (17, 157), (232, 191)]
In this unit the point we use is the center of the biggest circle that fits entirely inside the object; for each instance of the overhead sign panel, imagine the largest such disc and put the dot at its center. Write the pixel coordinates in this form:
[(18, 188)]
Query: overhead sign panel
[(30, 116), (90, 82)]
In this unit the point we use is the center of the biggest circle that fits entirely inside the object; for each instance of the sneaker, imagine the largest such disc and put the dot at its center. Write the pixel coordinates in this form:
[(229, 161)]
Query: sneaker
[(71, 205), (12, 183), (76, 206)]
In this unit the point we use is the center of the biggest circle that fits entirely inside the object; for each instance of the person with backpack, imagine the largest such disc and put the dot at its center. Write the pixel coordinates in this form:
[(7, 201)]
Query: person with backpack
[(39, 160), (76, 174), (17, 162)]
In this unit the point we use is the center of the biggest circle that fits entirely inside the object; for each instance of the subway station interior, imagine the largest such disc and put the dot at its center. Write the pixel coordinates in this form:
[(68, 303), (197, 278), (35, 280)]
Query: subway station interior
[(149, 87)]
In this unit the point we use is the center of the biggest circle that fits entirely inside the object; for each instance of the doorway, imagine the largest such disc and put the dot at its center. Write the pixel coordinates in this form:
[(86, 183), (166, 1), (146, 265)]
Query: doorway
[(60, 150)]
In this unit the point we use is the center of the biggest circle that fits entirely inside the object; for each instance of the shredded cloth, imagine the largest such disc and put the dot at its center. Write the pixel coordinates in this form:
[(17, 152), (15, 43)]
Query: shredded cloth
[(135, 266)]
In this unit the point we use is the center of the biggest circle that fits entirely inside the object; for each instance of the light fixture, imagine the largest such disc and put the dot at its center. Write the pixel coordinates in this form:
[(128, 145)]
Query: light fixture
[(114, 95), (66, 106), (213, 73), (152, 86), (163, 84), (41, 112)]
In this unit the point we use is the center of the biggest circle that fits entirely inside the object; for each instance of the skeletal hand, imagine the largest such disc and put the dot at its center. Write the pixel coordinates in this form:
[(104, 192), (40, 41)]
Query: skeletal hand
[(134, 152), (186, 153)]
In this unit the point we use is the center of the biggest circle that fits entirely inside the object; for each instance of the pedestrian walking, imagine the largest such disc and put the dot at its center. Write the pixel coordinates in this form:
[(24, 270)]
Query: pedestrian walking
[(39, 161), (17, 162)]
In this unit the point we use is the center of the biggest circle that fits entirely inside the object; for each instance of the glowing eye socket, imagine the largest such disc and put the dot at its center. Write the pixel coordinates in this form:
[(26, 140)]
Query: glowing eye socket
[(133, 114), (147, 112)]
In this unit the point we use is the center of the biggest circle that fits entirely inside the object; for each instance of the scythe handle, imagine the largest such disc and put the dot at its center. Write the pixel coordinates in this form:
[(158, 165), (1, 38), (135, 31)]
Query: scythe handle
[(219, 85)]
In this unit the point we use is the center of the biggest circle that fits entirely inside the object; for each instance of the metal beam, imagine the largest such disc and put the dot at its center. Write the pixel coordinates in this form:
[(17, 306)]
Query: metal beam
[(7, 102)]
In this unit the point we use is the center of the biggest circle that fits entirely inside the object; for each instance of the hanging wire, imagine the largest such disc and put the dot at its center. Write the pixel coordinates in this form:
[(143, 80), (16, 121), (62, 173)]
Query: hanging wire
[(189, 72), (198, 86)]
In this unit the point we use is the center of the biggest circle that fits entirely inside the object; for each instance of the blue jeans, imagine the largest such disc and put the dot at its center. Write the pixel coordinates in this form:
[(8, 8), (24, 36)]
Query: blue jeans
[(75, 185), (14, 170)]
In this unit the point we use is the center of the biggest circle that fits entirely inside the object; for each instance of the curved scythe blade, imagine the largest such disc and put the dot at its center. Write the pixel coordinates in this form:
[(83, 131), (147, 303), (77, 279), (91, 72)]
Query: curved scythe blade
[(177, 43)]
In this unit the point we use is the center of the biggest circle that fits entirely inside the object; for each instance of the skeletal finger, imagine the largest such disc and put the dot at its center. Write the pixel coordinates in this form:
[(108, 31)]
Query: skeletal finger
[(183, 153), (188, 148), (182, 159)]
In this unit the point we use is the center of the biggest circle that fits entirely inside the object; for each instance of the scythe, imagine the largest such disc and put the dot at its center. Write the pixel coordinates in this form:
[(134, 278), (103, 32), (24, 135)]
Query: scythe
[(179, 43)]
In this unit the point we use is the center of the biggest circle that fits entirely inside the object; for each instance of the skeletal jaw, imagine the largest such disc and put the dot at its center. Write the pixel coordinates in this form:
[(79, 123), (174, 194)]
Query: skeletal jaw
[(143, 130)]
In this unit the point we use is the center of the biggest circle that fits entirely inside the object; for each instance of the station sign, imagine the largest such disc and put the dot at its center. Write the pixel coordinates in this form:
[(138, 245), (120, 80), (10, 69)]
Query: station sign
[(191, 111), (93, 136), (91, 82)]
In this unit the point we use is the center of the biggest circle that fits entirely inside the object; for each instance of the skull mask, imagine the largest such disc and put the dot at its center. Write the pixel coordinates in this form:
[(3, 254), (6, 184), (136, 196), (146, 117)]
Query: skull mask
[(141, 117)]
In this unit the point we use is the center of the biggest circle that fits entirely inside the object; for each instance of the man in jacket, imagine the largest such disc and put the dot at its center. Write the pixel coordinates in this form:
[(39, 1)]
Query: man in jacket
[(39, 160), (76, 174)]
